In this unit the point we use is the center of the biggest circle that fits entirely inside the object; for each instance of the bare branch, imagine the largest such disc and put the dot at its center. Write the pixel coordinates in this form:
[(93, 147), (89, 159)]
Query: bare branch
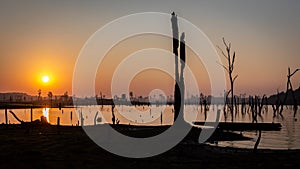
[(222, 52), (294, 72), (223, 67), (225, 43), (233, 58), (235, 78), (229, 91)]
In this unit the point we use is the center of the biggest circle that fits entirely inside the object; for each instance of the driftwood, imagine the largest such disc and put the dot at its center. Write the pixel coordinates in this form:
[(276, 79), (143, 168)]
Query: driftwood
[(243, 126), (29, 126), (15, 116), (257, 141)]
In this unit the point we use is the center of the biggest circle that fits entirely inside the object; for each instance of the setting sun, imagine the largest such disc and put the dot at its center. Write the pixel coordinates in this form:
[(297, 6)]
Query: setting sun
[(45, 79)]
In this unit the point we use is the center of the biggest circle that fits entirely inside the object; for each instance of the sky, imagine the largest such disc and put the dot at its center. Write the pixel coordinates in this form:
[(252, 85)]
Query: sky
[(40, 37)]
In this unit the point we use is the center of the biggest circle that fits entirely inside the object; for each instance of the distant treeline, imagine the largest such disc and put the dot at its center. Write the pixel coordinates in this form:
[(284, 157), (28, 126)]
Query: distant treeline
[(289, 101), (105, 101)]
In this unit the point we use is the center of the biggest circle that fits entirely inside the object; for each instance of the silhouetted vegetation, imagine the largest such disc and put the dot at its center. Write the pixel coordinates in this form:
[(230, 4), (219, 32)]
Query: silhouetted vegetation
[(39, 94), (50, 95)]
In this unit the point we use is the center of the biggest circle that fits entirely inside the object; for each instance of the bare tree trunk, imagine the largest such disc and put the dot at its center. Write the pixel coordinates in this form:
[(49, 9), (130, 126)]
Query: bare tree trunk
[(6, 118), (225, 105), (95, 118), (175, 51), (257, 141), (179, 83), (229, 69), (31, 114)]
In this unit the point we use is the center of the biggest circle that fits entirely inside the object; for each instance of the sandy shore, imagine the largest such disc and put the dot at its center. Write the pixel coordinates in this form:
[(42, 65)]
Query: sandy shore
[(70, 147)]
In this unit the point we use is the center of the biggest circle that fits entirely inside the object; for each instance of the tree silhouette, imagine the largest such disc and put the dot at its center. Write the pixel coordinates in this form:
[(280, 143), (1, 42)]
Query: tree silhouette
[(182, 58), (50, 95), (66, 97), (113, 118), (289, 87), (101, 98), (229, 69), (175, 51), (179, 83), (131, 97), (39, 94)]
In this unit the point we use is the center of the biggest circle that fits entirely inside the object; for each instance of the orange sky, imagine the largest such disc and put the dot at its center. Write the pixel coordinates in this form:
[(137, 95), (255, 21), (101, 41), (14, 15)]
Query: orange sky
[(148, 80), (40, 38)]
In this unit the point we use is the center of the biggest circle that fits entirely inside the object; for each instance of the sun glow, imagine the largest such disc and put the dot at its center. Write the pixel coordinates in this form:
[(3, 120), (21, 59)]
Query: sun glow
[(45, 79)]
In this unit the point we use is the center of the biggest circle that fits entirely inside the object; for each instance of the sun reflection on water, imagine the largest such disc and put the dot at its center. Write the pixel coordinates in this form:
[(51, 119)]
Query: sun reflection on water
[(46, 113)]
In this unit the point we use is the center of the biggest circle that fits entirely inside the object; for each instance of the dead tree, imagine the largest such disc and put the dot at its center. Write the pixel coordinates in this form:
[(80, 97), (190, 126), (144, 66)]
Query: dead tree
[(205, 108), (113, 118), (229, 69), (274, 110), (225, 103), (257, 142), (289, 87), (266, 105), (179, 80), (253, 106), (243, 104), (95, 118), (236, 104), (261, 104), (175, 51), (278, 103), (81, 118)]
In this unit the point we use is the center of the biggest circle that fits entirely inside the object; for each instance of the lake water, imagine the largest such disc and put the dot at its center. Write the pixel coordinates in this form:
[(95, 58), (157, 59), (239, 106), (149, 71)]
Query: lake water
[(287, 138)]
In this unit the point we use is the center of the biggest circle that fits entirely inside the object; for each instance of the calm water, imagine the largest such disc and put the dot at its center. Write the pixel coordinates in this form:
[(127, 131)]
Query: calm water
[(287, 138)]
